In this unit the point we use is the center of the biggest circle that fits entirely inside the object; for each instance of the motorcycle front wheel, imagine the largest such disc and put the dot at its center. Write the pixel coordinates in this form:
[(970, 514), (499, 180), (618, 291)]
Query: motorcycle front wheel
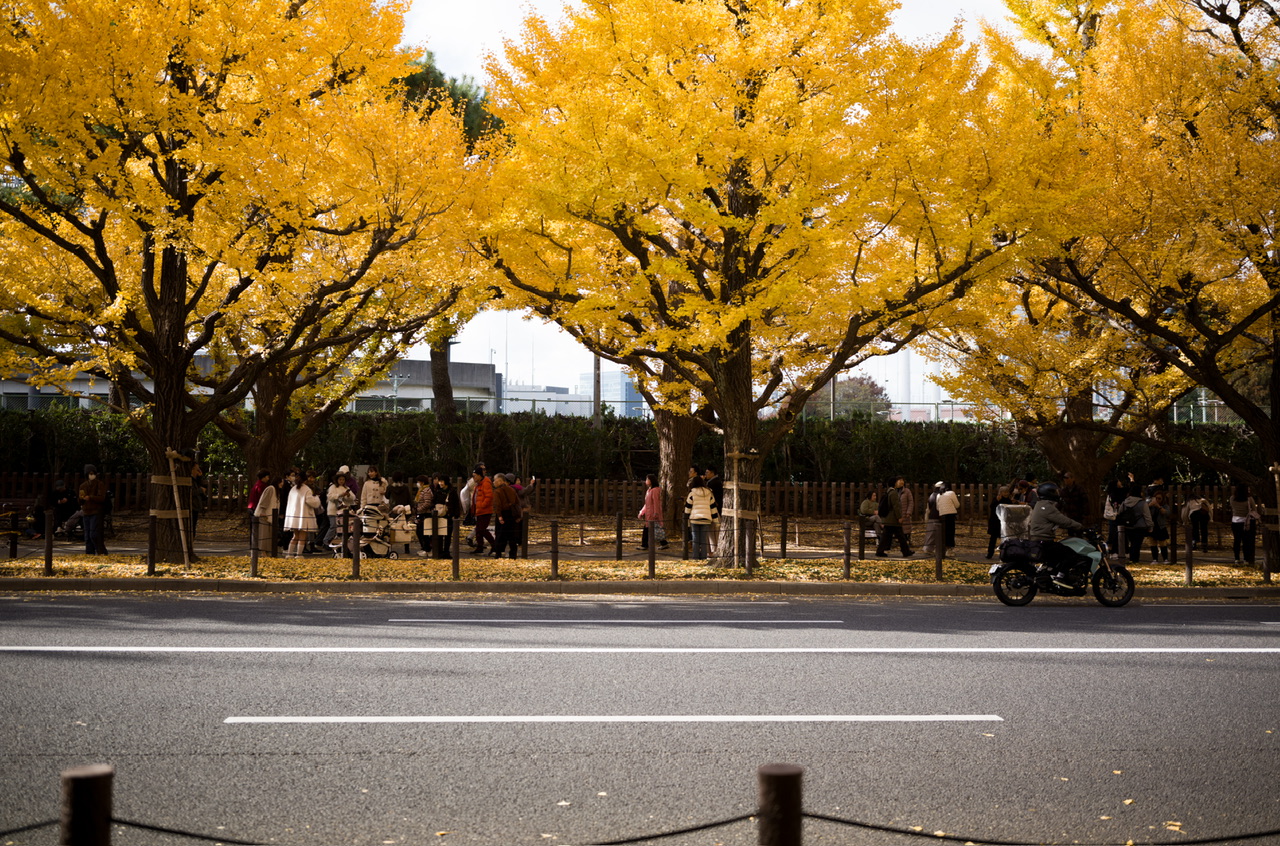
[(1015, 586), (1113, 588)]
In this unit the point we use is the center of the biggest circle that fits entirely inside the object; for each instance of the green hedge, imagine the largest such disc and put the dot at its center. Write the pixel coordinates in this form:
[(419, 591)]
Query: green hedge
[(816, 450)]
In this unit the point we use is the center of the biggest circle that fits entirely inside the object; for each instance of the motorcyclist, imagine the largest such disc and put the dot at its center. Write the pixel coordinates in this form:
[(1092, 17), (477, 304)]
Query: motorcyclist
[(1045, 521)]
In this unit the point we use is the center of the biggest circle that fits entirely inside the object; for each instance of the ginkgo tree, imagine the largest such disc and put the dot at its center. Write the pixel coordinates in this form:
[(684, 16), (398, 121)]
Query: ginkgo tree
[(211, 179), (1167, 235), (751, 195)]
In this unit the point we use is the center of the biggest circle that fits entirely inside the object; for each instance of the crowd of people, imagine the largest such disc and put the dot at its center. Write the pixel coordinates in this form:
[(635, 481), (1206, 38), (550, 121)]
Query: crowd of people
[(1141, 510), (315, 517)]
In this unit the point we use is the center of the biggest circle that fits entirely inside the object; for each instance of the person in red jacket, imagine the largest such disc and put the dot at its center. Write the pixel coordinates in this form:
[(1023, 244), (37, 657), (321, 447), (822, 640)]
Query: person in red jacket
[(482, 508)]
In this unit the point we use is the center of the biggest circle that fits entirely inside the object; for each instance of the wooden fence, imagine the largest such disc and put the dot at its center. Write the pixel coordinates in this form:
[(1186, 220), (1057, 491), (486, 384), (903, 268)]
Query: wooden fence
[(586, 497)]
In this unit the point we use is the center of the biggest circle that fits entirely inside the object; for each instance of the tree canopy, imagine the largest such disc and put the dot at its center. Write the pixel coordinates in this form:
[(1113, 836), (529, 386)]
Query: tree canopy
[(210, 178), (751, 195)]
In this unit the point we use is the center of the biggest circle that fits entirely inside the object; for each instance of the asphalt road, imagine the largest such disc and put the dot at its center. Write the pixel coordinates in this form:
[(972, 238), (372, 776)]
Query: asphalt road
[(371, 720)]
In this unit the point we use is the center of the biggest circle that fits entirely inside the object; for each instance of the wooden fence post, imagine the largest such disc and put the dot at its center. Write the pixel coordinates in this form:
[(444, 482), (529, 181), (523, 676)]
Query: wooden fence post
[(781, 807), (555, 549), (86, 805), (848, 549), (455, 546), (48, 542)]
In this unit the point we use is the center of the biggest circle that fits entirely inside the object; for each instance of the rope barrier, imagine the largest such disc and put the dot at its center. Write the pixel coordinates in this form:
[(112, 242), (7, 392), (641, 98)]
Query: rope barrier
[(189, 834), (676, 833), (31, 827), (978, 841), (883, 829)]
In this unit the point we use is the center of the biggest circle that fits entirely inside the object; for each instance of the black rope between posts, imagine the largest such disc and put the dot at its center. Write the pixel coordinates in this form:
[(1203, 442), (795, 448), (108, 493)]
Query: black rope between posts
[(31, 827), (676, 833), (978, 841), (189, 834)]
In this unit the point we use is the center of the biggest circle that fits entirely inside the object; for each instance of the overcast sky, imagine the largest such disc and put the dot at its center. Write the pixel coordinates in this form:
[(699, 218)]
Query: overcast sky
[(461, 34)]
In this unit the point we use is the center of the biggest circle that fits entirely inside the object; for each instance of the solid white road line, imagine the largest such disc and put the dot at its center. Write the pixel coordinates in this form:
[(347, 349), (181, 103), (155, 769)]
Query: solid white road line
[(639, 718), (615, 621), (663, 650)]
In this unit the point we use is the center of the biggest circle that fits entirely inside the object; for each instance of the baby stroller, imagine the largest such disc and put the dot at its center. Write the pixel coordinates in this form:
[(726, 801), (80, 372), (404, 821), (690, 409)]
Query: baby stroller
[(401, 530), (373, 537)]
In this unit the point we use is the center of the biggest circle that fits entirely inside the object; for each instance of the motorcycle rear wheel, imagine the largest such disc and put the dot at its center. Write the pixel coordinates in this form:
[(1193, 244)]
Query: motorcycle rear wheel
[(1015, 586), (1114, 588)]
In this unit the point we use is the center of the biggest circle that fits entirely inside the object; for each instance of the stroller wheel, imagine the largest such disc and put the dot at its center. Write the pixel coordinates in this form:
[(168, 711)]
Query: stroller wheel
[(393, 555)]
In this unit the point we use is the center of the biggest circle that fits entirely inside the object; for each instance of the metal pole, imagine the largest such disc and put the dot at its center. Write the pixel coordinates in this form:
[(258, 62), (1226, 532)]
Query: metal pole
[(862, 538), (781, 808), (555, 549), (782, 539), (938, 550), (618, 539), (1123, 550), (86, 805)]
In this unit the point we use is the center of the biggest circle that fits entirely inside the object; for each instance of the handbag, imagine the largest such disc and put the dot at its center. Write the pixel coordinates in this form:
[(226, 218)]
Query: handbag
[(659, 534)]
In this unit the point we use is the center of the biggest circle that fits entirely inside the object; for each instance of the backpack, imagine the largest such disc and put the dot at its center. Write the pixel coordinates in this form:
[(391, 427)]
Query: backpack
[(886, 505), (1128, 516)]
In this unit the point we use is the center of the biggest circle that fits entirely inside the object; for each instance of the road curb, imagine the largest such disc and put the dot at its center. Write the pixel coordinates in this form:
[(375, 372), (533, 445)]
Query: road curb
[(646, 588)]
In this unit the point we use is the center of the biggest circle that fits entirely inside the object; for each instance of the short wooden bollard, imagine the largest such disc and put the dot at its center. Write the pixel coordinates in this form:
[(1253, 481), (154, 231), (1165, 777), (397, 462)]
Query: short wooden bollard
[(653, 550), (782, 539), (455, 551), (1191, 559), (152, 527), (862, 538), (356, 533), (275, 536), (86, 805), (618, 537), (937, 555), (255, 530), (848, 550), (753, 559), (48, 543), (780, 815), (555, 549)]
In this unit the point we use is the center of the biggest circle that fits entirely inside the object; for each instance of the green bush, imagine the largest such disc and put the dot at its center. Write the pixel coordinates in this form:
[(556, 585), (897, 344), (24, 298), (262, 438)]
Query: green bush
[(858, 449)]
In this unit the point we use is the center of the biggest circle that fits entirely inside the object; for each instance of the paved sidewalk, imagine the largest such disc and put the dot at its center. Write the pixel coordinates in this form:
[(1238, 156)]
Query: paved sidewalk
[(230, 544)]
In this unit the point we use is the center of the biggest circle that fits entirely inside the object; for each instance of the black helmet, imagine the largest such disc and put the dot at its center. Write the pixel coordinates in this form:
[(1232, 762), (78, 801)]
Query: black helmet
[(1048, 490)]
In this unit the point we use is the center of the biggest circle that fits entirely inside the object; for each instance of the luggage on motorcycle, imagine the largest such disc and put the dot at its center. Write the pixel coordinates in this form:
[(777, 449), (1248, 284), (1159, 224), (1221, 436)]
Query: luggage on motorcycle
[(1015, 520), (1020, 551)]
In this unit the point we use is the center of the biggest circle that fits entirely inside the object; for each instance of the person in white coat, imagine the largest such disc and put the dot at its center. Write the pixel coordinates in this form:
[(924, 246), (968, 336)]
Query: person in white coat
[(299, 514)]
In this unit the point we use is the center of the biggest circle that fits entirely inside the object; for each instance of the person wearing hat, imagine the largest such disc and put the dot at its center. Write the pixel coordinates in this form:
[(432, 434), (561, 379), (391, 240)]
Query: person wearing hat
[(93, 499)]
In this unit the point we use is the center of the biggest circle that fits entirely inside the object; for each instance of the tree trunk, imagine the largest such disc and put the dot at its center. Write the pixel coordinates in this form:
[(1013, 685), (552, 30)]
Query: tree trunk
[(743, 461), (446, 409), (676, 436)]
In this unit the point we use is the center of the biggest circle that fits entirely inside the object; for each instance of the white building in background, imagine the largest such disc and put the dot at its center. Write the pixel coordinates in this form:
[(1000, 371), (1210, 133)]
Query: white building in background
[(618, 391), (407, 387), (906, 378), (547, 399)]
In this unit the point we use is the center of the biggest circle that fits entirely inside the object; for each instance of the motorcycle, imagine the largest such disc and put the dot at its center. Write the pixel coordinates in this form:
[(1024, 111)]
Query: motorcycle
[(1022, 573)]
